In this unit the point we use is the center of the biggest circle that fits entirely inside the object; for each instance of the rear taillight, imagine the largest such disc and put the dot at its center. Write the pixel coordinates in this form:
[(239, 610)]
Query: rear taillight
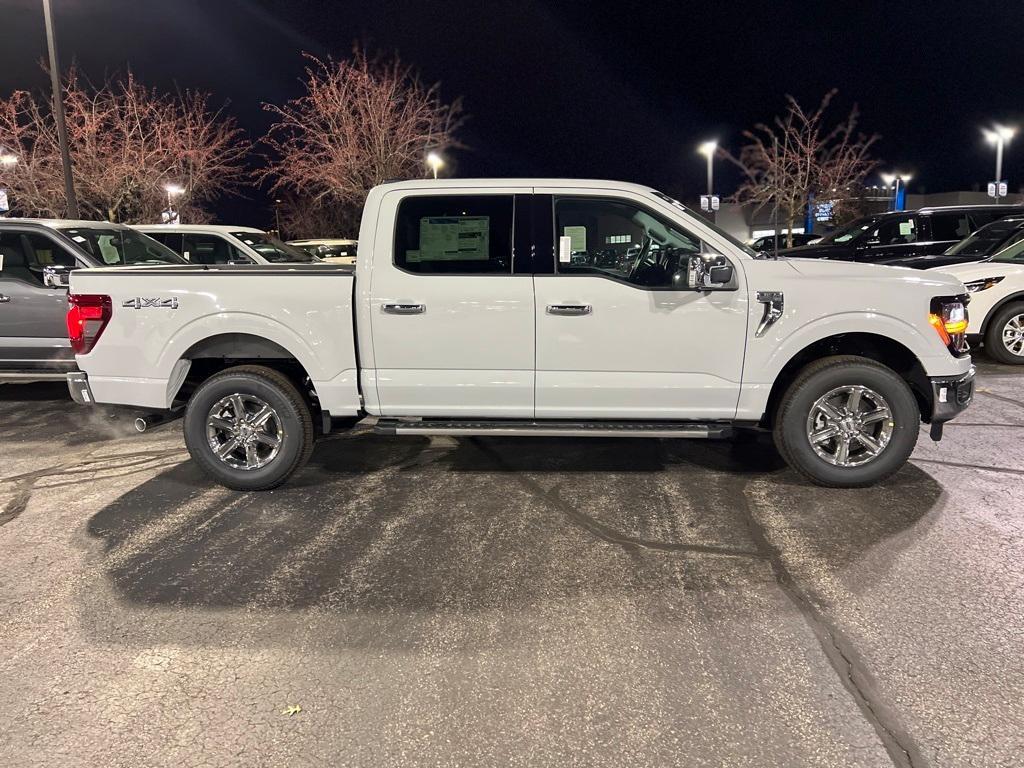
[(88, 315), (948, 317)]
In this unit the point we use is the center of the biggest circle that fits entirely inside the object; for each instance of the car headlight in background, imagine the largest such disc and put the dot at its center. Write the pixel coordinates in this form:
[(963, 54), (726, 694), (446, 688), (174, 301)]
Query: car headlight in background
[(982, 285)]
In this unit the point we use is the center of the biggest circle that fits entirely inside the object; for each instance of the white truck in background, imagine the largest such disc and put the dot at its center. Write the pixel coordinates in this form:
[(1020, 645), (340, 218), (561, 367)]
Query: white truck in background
[(530, 307)]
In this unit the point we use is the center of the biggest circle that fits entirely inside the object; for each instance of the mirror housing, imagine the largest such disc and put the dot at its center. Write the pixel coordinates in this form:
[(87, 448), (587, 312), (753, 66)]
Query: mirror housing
[(57, 276)]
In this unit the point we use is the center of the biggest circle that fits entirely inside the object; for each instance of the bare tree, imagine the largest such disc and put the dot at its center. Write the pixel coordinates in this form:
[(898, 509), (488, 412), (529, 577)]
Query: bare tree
[(360, 123), (127, 142), (798, 157)]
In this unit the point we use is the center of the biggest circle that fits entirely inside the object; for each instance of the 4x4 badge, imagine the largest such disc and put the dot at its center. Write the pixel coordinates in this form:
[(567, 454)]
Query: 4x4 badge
[(143, 303)]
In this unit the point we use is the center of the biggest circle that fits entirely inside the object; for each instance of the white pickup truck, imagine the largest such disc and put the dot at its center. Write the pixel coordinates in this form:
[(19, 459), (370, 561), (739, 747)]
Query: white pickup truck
[(530, 307)]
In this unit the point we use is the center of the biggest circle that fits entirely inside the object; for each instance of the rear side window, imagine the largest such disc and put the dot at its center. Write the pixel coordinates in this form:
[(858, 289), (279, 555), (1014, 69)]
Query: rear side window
[(455, 234), (950, 226), (171, 239)]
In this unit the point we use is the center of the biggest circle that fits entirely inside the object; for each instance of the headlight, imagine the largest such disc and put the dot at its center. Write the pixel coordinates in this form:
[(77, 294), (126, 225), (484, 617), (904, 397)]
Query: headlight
[(982, 285), (949, 318)]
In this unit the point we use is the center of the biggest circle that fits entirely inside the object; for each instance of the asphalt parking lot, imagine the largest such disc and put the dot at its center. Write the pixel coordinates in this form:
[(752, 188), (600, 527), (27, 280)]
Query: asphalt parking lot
[(507, 602)]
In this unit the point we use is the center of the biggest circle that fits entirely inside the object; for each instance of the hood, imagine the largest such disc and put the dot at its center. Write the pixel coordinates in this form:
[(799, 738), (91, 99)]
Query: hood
[(815, 251), (980, 270), (851, 270)]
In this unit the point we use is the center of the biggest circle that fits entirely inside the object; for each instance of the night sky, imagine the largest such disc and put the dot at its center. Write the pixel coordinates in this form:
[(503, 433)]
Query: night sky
[(590, 89)]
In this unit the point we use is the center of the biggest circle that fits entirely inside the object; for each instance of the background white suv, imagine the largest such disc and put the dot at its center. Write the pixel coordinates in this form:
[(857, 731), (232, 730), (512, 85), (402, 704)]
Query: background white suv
[(222, 244)]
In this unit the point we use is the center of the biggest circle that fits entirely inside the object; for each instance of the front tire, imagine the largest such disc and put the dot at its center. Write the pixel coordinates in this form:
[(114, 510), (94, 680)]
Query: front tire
[(847, 422), (1004, 336), (248, 428)]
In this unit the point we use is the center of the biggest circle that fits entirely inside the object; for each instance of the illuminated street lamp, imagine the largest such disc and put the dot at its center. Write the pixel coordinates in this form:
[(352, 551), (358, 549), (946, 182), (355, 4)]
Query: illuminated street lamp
[(173, 190), (435, 161), (8, 159), (892, 180), (999, 135), (708, 149)]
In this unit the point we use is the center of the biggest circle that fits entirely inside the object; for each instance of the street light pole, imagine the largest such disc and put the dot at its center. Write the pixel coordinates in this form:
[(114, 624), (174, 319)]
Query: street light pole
[(58, 113), (999, 135)]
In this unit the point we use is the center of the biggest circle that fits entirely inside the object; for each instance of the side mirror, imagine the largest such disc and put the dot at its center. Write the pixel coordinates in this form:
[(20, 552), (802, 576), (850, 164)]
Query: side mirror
[(705, 273), (57, 276)]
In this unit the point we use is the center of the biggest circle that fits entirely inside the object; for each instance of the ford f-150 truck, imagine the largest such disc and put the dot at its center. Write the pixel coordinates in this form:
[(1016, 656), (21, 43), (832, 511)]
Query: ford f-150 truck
[(530, 307)]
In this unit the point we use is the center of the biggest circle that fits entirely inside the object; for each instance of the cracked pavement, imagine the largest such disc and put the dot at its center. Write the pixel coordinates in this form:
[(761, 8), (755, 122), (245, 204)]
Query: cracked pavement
[(455, 601)]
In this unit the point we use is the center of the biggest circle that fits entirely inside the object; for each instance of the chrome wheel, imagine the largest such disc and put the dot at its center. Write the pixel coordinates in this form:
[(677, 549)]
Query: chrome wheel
[(849, 426), (1013, 335), (244, 432)]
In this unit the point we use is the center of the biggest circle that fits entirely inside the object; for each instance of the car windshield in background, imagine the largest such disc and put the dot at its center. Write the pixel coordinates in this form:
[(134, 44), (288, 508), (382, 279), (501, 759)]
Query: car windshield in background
[(272, 249), (115, 247), (986, 240), (1012, 251), (847, 233)]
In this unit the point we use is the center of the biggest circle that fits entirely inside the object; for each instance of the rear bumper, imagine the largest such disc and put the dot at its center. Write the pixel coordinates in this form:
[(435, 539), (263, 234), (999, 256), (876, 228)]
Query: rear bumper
[(950, 396), (78, 386)]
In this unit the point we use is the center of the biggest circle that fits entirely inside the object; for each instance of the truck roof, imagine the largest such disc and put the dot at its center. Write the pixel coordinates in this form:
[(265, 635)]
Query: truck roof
[(195, 228), (527, 182)]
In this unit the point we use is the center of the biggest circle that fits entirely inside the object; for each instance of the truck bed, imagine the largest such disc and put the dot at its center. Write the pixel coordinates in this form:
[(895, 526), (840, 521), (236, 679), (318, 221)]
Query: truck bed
[(166, 317)]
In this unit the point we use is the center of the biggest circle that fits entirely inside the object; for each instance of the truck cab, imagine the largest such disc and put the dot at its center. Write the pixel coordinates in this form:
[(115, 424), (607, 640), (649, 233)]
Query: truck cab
[(535, 307)]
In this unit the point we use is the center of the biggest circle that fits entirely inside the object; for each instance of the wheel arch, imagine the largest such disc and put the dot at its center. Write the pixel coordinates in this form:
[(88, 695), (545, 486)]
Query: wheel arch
[(872, 346), (996, 308)]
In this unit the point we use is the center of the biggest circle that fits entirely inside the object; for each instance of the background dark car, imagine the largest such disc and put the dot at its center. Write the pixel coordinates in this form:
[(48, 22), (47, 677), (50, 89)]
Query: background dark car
[(767, 243), (905, 238), (1002, 237)]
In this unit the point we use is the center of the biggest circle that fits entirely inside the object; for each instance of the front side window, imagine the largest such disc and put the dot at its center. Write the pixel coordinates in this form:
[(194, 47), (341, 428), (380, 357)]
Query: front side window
[(455, 234), (274, 250), (895, 230), (121, 247), (620, 240)]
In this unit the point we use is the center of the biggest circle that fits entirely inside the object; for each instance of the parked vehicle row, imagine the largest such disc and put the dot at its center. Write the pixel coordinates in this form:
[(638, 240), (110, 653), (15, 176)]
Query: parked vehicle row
[(918, 239), (530, 307)]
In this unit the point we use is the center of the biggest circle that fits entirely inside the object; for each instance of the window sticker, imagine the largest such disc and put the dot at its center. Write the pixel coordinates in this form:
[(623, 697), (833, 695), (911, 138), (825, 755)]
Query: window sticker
[(453, 238), (906, 227), (577, 236)]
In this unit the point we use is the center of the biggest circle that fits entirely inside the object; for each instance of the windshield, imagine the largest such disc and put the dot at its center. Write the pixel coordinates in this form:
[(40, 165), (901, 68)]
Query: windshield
[(1014, 251), (721, 232), (986, 240), (272, 249), (115, 247), (850, 231)]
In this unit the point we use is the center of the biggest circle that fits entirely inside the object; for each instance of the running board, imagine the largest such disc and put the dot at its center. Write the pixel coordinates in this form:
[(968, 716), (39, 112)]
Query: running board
[(552, 428)]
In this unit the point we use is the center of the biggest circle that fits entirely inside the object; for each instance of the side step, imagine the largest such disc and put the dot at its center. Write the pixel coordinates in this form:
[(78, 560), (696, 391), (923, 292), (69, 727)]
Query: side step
[(552, 428)]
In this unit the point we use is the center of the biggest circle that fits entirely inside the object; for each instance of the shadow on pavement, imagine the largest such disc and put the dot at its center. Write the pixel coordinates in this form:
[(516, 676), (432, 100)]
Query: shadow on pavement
[(413, 526)]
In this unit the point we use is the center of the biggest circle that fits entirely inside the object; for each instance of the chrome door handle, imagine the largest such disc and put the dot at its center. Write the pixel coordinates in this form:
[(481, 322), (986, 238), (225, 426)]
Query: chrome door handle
[(403, 309), (569, 309), (4, 299)]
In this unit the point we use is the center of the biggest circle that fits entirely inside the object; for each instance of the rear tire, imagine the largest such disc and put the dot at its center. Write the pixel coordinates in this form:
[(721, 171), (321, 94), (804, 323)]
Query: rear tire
[(1003, 339), (248, 428), (853, 402)]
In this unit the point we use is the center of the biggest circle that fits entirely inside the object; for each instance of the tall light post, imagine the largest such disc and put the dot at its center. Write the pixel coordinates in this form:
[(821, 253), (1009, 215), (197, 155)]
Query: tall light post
[(708, 149), (277, 216), (58, 112), (173, 190), (999, 135), (892, 180), (435, 162)]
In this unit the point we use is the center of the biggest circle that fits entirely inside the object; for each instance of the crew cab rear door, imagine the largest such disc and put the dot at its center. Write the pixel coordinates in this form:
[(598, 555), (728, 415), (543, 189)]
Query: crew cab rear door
[(451, 312)]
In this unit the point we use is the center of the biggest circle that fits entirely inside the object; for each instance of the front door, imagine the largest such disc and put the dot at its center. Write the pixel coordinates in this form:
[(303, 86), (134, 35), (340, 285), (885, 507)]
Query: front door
[(33, 330), (451, 312), (616, 336)]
